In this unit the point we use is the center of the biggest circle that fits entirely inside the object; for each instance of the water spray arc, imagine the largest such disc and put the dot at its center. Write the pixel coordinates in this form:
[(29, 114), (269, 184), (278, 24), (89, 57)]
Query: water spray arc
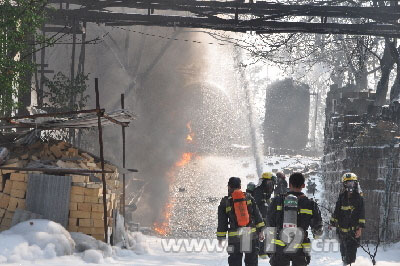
[(256, 145)]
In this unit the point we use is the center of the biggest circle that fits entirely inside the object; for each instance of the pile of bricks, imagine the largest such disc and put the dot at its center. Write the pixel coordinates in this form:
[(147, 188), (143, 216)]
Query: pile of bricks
[(12, 196), (86, 213), (86, 198)]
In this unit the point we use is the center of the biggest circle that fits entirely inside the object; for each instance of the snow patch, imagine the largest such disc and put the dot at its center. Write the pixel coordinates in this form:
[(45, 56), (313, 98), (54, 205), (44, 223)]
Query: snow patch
[(137, 242), (93, 256), (84, 242), (33, 240)]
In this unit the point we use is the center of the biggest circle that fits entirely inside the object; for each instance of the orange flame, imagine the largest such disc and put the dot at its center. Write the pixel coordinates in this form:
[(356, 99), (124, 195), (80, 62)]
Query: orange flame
[(185, 159), (190, 135), (162, 227)]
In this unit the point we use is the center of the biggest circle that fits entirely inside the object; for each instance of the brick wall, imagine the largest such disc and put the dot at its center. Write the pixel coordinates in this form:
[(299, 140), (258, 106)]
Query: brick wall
[(367, 145)]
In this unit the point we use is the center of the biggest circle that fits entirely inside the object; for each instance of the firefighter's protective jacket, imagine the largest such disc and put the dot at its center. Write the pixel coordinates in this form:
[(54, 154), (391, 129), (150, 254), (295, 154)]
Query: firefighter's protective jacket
[(281, 186), (262, 199), (227, 225), (349, 214), (308, 215)]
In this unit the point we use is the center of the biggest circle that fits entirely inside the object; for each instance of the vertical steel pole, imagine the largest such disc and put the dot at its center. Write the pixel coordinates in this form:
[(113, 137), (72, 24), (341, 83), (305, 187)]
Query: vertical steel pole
[(103, 177), (73, 95), (315, 120), (123, 160)]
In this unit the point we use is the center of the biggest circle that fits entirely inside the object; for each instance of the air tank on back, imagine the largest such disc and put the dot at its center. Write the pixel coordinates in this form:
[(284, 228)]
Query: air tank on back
[(286, 115), (290, 205)]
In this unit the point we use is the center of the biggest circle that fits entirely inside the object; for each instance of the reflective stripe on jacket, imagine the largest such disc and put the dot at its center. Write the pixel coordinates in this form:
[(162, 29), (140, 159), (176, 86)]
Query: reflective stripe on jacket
[(349, 212), (227, 225)]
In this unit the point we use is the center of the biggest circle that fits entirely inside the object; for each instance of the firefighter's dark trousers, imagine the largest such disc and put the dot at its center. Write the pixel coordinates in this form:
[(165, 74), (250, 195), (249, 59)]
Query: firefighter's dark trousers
[(348, 248), (279, 259), (236, 256)]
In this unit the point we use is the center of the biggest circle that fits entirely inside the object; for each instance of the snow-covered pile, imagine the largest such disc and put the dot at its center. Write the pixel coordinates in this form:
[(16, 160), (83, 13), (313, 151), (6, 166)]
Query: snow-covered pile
[(35, 239), (137, 242), (93, 251), (39, 240), (84, 242)]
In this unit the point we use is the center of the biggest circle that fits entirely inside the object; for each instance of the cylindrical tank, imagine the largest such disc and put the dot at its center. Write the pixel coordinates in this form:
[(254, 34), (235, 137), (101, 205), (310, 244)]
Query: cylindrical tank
[(287, 115), (290, 211)]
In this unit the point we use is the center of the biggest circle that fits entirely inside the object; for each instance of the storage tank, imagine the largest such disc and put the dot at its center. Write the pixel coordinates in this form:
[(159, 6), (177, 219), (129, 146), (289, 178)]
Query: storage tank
[(286, 121)]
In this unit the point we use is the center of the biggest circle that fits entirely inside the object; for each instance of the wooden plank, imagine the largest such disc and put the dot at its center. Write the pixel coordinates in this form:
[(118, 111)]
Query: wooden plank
[(52, 170), (51, 114)]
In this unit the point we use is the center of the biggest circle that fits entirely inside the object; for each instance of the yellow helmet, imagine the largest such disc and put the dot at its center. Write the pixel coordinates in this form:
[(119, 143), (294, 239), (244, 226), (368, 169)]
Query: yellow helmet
[(267, 175), (349, 177)]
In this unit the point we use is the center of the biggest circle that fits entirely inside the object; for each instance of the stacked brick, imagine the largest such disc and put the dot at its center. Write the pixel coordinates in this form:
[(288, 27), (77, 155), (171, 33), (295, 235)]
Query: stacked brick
[(12, 196), (86, 213), (86, 198)]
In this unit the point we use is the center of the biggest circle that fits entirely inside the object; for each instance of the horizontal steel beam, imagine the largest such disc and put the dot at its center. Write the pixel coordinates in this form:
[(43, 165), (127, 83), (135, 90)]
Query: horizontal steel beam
[(257, 25), (385, 13)]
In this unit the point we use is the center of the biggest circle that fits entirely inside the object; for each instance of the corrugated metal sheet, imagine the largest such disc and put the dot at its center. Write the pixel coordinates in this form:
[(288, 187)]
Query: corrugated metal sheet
[(49, 195)]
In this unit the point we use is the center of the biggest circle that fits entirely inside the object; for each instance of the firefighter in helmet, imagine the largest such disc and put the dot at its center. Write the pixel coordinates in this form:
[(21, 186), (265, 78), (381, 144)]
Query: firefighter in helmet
[(240, 220), (250, 188), (262, 194), (290, 215), (349, 218)]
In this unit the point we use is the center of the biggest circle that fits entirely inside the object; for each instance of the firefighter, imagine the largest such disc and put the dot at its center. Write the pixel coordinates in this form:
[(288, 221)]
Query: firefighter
[(262, 195), (281, 184), (293, 211), (250, 188), (349, 218), (240, 223)]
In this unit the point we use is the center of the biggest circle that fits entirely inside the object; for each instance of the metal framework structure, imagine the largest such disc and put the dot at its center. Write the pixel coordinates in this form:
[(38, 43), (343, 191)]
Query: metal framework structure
[(321, 17), (236, 16)]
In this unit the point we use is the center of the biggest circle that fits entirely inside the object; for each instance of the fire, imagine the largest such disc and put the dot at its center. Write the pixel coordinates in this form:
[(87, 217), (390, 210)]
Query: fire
[(162, 227), (190, 136), (185, 159)]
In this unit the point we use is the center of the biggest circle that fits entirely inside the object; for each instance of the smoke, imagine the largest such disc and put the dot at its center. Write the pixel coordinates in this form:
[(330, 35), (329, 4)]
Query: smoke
[(165, 86), (157, 138)]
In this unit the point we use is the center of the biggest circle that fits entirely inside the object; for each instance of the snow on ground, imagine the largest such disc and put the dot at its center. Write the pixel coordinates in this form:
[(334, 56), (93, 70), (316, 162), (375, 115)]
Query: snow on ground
[(156, 256), (42, 242)]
